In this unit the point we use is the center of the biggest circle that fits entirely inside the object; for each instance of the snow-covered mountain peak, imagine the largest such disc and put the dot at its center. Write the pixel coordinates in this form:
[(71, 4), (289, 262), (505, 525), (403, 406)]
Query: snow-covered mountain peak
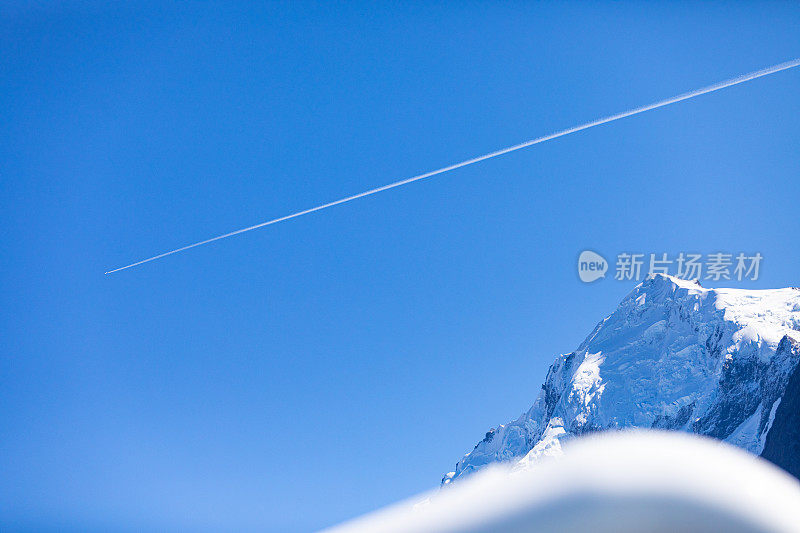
[(768, 314), (673, 355)]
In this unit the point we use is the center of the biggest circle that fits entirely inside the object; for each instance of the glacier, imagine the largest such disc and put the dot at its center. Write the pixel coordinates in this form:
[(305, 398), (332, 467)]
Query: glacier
[(673, 356)]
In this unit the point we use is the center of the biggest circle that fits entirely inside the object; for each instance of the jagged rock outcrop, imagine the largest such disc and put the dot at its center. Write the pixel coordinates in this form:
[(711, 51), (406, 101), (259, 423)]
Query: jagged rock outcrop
[(782, 445)]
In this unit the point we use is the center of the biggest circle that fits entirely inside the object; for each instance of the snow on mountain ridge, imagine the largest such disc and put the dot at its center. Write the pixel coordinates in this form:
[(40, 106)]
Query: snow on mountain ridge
[(673, 355)]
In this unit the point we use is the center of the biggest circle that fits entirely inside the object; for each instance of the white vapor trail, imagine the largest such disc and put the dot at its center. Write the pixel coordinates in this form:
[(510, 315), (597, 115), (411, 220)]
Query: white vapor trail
[(685, 96)]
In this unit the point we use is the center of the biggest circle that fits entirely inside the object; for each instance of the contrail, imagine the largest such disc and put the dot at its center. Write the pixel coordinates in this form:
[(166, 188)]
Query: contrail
[(685, 96)]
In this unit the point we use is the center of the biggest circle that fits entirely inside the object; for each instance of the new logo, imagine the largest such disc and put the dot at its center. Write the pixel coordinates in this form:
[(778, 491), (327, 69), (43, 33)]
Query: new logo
[(591, 266)]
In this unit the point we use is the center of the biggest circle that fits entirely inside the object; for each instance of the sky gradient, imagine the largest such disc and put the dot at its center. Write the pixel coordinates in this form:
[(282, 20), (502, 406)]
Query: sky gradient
[(298, 375)]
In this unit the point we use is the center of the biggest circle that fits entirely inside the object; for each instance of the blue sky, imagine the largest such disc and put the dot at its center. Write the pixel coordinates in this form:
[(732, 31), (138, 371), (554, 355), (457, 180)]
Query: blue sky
[(293, 377)]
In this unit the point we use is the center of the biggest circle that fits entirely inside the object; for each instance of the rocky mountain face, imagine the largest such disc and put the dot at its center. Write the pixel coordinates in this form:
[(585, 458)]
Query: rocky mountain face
[(677, 356), (782, 445)]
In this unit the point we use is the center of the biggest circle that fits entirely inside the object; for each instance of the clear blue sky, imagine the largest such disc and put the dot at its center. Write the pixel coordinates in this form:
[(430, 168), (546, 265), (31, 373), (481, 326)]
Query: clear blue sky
[(293, 377)]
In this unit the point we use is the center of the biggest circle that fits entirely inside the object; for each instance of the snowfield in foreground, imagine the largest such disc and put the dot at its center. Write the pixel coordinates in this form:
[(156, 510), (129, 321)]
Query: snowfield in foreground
[(675, 356), (616, 482)]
